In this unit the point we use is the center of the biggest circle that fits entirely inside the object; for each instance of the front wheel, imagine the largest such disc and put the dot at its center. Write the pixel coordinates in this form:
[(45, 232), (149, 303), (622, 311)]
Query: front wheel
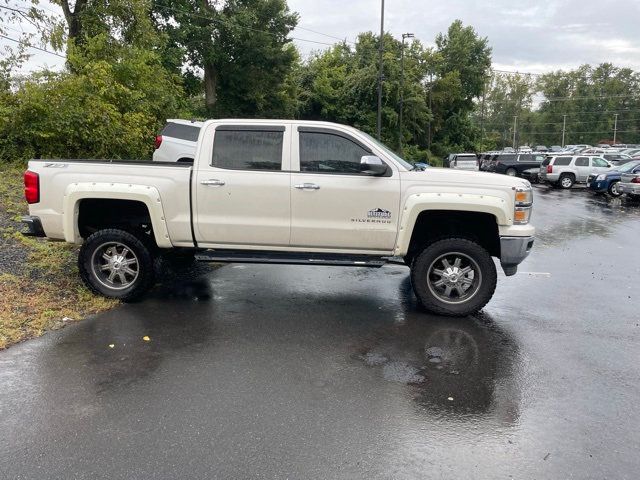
[(511, 172), (454, 277), (116, 264), (614, 191)]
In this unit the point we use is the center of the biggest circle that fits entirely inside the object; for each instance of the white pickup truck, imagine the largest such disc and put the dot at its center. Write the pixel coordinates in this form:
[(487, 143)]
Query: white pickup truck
[(288, 192)]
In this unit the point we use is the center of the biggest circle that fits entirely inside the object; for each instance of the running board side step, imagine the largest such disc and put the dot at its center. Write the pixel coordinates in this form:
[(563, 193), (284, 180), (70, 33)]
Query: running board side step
[(290, 258)]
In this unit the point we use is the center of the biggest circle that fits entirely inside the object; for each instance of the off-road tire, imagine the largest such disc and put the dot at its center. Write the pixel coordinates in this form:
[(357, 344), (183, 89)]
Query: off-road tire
[(420, 276), (146, 270)]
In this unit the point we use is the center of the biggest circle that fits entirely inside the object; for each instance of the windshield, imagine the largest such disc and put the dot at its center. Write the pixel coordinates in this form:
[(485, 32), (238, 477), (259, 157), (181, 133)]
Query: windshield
[(389, 152), (627, 167)]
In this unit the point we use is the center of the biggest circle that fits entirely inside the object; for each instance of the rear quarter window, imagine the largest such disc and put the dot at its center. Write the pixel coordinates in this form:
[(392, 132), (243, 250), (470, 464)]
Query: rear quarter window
[(182, 132), (562, 161)]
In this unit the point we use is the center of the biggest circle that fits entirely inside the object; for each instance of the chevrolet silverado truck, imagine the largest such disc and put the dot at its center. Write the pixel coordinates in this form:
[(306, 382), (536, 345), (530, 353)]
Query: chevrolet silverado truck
[(286, 192)]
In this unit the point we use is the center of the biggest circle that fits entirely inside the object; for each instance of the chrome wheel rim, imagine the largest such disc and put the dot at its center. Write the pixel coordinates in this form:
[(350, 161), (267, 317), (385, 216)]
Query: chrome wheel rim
[(115, 265), (454, 278), (566, 182)]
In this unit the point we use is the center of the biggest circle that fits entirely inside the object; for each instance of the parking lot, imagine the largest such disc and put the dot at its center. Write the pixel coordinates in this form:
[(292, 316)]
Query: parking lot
[(323, 372)]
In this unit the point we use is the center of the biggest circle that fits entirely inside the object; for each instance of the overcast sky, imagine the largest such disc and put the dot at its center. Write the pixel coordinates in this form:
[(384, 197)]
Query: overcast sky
[(526, 35)]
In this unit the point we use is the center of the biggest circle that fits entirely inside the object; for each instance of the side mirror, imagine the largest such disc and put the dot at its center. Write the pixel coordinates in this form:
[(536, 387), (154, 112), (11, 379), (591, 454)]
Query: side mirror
[(372, 165)]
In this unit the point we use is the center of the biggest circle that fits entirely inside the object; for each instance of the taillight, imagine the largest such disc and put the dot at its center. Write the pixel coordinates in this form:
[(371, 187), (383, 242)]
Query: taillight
[(635, 180), (158, 142), (549, 168), (31, 187)]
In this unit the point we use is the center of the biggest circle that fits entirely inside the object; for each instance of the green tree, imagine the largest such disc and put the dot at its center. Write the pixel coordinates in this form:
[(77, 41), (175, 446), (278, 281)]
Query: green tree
[(462, 61), (340, 85), (241, 46)]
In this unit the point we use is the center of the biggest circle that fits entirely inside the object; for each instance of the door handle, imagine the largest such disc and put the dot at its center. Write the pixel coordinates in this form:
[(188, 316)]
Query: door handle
[(212, 182), (307, 186)]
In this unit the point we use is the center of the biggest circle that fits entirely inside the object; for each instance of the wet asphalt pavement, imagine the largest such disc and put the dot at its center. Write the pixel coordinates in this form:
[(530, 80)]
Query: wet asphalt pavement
[(323, 372)]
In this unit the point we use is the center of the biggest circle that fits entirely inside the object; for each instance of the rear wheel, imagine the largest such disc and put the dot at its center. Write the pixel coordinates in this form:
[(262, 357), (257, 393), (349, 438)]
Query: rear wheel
[(116, 264), (566, 181), (454, 277), (613, 189), (511, 172)]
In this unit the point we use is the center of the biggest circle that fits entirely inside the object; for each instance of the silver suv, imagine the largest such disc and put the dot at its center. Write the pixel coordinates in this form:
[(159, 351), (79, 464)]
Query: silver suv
[(566, 170)]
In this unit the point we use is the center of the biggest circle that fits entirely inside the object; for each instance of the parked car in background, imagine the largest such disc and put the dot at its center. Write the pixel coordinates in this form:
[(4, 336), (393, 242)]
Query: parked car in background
[(616, 159), (632, 152), (555, 148), (525, 149), (515, 164), (630, 185), (464, 161), (532, 174), (567, 170), (541, 149), (608, 182), (177, 142), (509, 150)]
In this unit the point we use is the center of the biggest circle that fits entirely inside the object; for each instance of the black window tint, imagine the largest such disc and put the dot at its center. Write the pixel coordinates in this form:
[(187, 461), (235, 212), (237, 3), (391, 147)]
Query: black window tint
[(526, 157), (562, 161), (507, 158), (183, 132), (327, 153), (247, 150), (582, 162)]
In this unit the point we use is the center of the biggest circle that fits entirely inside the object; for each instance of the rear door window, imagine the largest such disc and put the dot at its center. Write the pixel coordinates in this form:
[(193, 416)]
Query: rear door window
[(247, 149), (582, 162), (183, 132)]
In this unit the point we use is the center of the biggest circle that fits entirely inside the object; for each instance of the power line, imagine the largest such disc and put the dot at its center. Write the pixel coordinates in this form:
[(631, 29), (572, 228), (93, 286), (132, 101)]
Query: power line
[(219, 20), (324, 34), (34, 47)]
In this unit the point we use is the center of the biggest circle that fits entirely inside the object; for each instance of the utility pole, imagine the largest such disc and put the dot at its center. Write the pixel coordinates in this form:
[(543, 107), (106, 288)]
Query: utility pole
[(484, 91), (404, 35), (515, 127), (430, 112), (380, 71), (615, 127), (564, 128)]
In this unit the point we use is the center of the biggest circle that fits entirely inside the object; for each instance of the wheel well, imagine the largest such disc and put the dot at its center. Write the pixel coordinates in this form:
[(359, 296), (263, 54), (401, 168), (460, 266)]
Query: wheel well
[(568, 174), (99, 213), (433, 225)]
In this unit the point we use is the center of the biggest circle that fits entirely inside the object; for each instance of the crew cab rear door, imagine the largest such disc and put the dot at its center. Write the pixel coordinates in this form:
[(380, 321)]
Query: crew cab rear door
[(334, 204), (241, 189)]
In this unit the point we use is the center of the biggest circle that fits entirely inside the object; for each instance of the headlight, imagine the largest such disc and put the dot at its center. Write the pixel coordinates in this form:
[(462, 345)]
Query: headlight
[(600, 177), (523, 205)]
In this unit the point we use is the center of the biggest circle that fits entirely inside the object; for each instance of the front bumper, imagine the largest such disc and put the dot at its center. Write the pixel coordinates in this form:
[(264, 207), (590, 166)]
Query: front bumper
[(34, 225), (629, 188), (513, 250)]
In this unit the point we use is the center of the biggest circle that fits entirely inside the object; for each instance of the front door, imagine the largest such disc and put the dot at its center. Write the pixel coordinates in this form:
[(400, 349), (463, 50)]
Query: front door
[(583, 168), (333, 203), (599, 165), (242, 195)]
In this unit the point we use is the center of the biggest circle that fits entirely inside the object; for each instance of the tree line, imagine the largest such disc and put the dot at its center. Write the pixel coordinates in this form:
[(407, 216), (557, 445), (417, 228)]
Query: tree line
[(131, 64)]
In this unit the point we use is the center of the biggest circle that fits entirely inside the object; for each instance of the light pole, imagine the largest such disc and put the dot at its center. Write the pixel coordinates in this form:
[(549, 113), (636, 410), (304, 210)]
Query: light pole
[(381, 50), (515, 129), (615, 127), (564, 128), (404, 35)]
